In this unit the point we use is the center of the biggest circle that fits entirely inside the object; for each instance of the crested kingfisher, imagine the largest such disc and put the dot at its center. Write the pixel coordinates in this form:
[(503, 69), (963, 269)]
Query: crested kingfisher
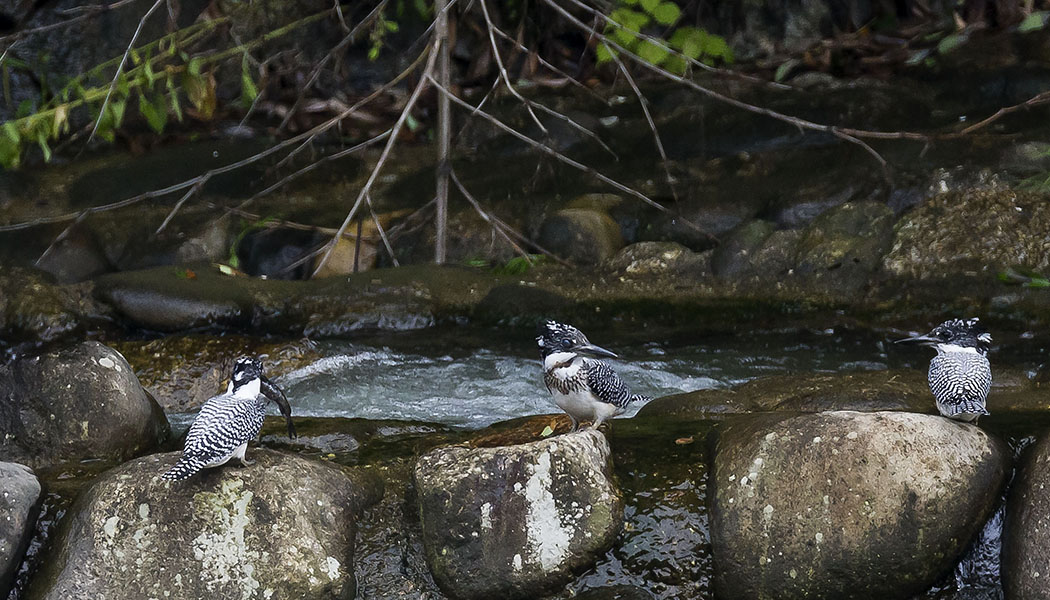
[(960, 376), (227, 422), (584, 387)]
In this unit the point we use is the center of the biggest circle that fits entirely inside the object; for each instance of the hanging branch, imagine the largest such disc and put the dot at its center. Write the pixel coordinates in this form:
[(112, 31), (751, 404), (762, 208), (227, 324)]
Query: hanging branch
[(120, 69), (565, 159), (444, 132), (427, 71)]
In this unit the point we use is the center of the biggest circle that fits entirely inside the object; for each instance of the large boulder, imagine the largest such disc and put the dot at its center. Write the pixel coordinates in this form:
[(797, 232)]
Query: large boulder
[(281, 528), (847, 504), (940, 238), (78, 403), (19, 500), (515, 521), (581, 235), (842, 248), (1026, 543)]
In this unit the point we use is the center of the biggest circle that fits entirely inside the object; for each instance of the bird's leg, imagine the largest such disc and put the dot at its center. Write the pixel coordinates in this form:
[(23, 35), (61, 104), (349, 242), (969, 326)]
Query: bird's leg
[(246, 463), (575, 424)]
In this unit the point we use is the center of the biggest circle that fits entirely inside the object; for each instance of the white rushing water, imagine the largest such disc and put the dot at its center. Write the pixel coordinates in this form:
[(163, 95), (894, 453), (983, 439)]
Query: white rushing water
[(473, 388)]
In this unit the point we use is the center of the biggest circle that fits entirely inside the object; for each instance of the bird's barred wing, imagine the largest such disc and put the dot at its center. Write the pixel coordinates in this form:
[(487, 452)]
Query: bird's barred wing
[(222, 425), (961, 380), (606, 385)]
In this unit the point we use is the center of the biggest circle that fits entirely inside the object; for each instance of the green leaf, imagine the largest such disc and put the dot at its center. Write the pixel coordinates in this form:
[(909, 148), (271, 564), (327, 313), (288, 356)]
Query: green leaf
[(785, 69), (123, 85), (391, 26), (147, 70), (651, 52), (226, 269), (156, 118), (11, 132), (624, 37), (951, 42), (676, 65), (630, 19), (547, 431), (649, 5), (412, 124), (604, 53), (41, 140), (25, 107), (116, 109), (248, 90), (1033, 22), (194, 67), (373, 52), (173, 95), (10, 153), (666, 13)]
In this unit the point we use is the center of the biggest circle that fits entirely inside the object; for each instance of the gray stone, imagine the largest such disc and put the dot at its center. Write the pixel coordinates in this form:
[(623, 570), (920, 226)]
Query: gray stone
[(74, 259), (1026, 539), (939, 239), (841, 250), (281, 528), (735, 254), (581, 235), (78, 403), (19, 501), (653, 258), (33, 308), (846, 504), (515, 521)]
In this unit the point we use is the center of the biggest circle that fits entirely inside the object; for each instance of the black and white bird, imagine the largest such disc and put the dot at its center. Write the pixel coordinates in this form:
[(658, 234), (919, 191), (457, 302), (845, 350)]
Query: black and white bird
[(227, 422), (585, 388), (960, 376)]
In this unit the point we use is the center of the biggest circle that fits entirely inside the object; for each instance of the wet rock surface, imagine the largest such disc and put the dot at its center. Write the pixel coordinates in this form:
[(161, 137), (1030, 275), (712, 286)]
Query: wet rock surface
[(35, 309), (19, 499), (901, 390), (181, 372), (83, 402), (228, 532), (847, 505), (937, 238), (581, 235), (514, 521), (1026, 544), (841, 250)]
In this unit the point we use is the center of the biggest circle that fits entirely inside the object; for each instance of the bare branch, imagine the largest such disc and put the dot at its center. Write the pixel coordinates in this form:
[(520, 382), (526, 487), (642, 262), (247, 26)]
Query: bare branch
[(1040, 98), (563, 158), (120, 69), (427, 71), (382, 234), (503, 70), (796, 121)]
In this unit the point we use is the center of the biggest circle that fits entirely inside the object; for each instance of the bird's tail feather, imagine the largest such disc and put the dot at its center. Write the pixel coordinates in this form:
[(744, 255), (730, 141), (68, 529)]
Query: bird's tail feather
[(639, 398), (183, 469)]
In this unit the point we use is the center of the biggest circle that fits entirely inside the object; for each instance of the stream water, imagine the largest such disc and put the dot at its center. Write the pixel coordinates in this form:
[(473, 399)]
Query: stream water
[(473, 383)]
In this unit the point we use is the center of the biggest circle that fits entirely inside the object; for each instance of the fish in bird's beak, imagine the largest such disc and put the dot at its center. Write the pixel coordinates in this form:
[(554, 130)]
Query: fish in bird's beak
[(594, 350), (271, 391)]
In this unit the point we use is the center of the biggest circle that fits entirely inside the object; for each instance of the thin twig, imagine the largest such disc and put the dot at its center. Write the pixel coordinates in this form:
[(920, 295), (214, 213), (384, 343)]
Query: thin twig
[(503, 71), (331, 53), (427, 71), (644, 103), (552, 68), (796, 121), (120, 69), (382, 234), (565, 159), (1040, 98), (178, 205)]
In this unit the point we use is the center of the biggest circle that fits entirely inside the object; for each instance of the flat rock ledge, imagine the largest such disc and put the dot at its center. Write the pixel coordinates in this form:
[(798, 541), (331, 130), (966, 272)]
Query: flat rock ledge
[(78, 403), (517, 521), (19, 501), (281, 528), (1026, 540), (847, 504)]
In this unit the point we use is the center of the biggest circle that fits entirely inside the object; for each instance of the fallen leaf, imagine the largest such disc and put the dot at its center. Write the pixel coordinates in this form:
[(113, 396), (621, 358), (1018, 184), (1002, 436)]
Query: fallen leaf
[(684, 441)]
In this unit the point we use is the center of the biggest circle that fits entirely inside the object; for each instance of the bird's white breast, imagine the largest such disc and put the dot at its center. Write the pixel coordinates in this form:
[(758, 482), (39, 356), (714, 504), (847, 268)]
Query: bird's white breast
[(952, 348), (570, 365)]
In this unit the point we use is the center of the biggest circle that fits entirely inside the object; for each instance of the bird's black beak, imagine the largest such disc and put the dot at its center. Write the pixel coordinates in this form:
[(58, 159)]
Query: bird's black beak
[(594, 350), (925, 340), (274, 393)]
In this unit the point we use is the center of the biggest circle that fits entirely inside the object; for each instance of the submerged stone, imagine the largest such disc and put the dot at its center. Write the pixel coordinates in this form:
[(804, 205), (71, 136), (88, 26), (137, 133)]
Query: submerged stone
[(847, 504), (281, 528), (19, 499), (516, 521), (83, 402)]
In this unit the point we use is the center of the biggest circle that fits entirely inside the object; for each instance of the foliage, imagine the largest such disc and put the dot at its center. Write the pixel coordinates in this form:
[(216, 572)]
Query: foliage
[(1025, 277), (248, 227), (629, 22), (163, 79), (520, 265)]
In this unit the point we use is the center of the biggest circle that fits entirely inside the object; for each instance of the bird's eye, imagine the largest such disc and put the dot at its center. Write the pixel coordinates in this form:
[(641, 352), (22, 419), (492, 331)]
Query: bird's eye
[(566, 343)]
